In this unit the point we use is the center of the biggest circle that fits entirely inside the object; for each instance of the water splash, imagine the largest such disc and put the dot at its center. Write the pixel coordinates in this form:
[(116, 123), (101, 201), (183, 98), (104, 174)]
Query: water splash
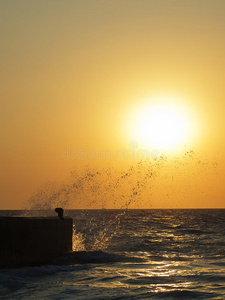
[(78, 241), (119, 188), (91, 188), (116, 188)]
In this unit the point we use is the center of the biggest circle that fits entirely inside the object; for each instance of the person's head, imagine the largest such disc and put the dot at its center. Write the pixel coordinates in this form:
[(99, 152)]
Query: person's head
[(59, 210)]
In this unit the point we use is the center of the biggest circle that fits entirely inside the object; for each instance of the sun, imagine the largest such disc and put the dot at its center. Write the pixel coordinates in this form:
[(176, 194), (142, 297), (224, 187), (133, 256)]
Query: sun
[(162, 124)]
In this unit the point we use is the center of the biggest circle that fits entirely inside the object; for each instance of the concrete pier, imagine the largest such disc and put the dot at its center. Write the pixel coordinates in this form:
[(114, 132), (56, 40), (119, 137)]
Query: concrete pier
[(36, 240)]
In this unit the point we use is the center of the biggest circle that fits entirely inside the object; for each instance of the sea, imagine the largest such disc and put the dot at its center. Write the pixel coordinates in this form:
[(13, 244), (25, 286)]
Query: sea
[(129, 254)]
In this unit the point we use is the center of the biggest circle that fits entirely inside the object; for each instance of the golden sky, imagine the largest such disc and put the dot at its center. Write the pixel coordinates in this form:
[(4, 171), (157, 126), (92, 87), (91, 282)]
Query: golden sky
[(75, 74)]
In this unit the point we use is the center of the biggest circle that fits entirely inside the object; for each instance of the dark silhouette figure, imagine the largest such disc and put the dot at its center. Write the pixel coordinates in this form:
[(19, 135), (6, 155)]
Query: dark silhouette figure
[(59, 210)]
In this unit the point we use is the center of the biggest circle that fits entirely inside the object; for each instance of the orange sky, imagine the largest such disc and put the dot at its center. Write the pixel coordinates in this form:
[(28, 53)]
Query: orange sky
[(73, 71)]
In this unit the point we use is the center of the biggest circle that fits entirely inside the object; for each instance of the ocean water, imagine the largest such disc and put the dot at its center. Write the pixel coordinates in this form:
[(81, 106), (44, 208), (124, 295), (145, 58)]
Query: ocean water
[(130, 254)]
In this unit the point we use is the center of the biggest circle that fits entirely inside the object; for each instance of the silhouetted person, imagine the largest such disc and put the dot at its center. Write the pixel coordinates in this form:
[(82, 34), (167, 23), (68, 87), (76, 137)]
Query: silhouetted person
[(59, 210)]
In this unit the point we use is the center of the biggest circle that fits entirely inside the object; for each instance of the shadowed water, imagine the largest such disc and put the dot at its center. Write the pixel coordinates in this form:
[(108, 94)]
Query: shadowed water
[(131, 254)]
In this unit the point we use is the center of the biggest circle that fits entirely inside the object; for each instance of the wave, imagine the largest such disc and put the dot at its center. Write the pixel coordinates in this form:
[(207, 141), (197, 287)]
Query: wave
[(98, 256), (184, 294)]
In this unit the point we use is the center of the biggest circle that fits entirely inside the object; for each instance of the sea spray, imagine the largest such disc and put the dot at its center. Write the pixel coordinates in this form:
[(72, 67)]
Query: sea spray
[(97, 235), (133, 186), (78, 241), (94, 188), (91, 188)]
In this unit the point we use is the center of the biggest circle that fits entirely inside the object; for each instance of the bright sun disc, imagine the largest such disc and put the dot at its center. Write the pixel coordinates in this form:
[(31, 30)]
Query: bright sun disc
[(162, 125)]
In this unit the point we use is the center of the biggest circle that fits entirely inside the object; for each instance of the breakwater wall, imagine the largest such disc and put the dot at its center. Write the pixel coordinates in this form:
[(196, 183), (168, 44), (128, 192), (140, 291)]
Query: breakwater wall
[(33, 240)]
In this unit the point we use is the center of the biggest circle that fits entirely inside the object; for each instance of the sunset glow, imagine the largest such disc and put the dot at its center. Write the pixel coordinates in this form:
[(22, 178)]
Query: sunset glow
[(163, 124), (108, 84), (112, 124)]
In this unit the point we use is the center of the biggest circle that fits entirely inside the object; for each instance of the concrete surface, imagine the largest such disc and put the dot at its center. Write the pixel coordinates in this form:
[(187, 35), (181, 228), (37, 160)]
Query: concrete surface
[(30, 241)]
